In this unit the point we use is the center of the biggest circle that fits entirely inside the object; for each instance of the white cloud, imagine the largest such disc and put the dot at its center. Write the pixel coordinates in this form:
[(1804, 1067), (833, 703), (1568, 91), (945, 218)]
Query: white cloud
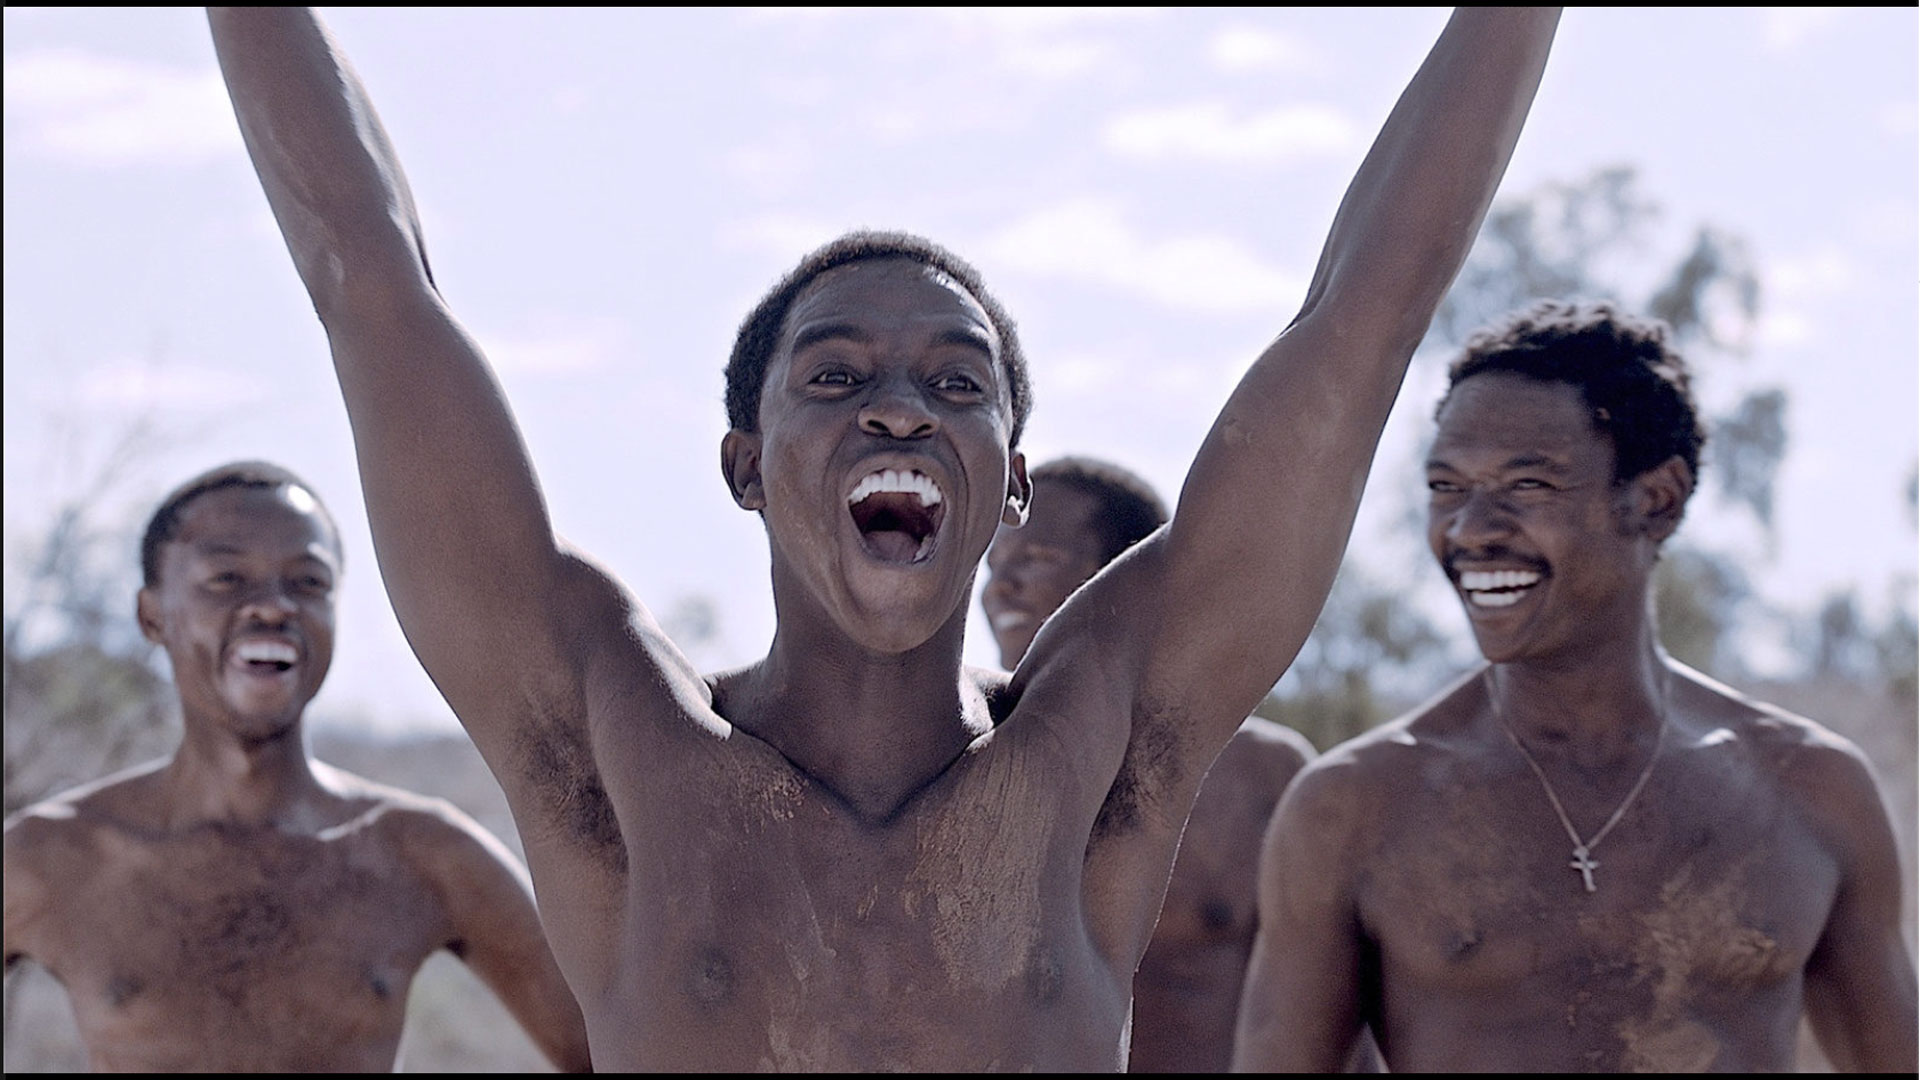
[(780, 235), (139, 386), (1825, 272), (1785, 28), (102, 111), (1780, 329), (1049, 42), (1899, 118), (1206, 131), (1089, 240), (566, 350), (1250, 48)]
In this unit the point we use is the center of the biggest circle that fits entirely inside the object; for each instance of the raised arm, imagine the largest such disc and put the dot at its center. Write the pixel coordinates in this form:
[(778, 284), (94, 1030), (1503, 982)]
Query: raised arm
[(1242, 570), (500, 615)]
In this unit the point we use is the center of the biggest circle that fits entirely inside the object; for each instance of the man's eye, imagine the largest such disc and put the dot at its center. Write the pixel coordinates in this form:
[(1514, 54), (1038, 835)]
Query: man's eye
[(1442, 487), (957, 384), (1529, 483), (834, 377), (225, 579)]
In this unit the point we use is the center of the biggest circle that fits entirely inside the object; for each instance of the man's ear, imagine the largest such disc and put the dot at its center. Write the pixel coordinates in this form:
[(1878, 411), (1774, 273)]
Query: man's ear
[(146, 611), (1660, 497), (740, 464), (1019, 492)]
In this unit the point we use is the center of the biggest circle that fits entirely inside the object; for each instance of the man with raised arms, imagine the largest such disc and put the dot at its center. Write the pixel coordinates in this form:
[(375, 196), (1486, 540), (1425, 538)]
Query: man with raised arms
[(1583, 856), (857, 853), (1186, 995), (242, 907)]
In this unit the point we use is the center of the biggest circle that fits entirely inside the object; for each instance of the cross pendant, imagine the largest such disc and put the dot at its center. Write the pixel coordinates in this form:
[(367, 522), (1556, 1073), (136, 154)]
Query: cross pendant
[(1585, 865)]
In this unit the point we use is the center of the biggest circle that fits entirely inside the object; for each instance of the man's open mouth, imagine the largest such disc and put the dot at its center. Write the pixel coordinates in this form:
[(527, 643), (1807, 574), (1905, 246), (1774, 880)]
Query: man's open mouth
[(1497, 588), (266, 657), (898, 514)]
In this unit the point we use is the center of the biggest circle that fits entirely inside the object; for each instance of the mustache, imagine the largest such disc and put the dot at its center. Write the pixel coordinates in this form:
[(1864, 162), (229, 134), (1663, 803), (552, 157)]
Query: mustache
[(1495, 553)]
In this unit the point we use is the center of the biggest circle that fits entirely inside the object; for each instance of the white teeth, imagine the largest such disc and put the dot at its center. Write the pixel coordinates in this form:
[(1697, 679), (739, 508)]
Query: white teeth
[(1494, 599), (894, 480), (1007, 619), (271, 651), (1479, 580)]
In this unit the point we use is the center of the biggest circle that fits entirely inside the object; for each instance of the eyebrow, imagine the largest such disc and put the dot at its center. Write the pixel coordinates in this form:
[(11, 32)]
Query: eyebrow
[(1519, 461), (815, 333), (970, 337)]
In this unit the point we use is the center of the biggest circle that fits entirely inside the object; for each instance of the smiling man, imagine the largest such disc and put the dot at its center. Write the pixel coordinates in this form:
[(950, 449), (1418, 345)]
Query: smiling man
[(857, 853), (1186, 995), (242, 907), (1584, 856)]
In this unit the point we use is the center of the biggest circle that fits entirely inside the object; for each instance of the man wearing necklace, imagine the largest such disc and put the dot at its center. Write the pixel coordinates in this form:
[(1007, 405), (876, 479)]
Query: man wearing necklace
[(1584, 856)]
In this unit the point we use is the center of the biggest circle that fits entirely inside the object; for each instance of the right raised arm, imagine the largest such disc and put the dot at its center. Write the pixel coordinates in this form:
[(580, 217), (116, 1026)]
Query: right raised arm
[(503, 619)]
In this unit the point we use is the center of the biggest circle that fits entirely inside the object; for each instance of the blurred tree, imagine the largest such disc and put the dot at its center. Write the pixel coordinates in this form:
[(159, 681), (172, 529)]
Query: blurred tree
[(1369, 654), (82, 696)]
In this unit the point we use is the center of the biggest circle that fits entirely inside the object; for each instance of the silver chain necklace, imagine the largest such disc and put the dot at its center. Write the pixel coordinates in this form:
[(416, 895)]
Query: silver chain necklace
[(1583, 849)]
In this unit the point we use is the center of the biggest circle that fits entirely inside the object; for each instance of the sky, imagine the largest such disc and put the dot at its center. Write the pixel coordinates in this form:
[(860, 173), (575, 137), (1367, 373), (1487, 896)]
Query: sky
[(606, 192)]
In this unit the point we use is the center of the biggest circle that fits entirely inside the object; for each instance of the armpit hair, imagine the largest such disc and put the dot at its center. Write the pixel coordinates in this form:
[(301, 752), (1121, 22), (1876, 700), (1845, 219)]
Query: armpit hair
[(1149, 770), (560, 770)]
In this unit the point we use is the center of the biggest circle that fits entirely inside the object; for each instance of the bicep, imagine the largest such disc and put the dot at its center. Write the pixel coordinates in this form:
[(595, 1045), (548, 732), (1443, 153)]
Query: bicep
[(1300, 1009), (1860, 996), (497, 932)]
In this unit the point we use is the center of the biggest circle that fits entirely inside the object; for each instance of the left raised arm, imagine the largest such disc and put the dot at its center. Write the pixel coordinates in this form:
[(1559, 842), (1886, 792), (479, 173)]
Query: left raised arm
[(1239, 575)]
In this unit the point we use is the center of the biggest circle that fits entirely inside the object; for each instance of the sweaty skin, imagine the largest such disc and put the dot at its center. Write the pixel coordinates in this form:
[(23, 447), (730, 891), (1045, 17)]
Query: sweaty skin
[(857, 853), (1186, 994), (1417, 878), (240, 906)]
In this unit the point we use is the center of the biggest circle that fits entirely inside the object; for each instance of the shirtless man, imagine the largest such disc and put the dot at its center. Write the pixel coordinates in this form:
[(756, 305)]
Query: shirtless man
[(857, 853), (1583, 856), (1186, 994), (242, 907)]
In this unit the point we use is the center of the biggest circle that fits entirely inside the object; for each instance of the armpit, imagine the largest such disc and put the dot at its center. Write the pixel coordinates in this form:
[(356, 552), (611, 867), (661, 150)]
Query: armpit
[(559, 770)]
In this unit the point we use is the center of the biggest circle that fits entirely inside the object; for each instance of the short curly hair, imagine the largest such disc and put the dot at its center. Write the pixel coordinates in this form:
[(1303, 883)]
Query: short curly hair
[(759, 334), (1129, 508), (164, 525), (1637, 389)]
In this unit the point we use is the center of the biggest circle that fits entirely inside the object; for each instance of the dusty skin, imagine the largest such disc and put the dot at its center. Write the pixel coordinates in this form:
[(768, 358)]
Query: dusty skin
[(240, 906), (856, 853), (1186, 994), (1418, 880)]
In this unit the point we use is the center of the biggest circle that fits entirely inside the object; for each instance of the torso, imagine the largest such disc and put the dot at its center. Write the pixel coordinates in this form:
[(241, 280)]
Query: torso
[(1187, 991), (766, 926), (1710, 897), (229, 948)]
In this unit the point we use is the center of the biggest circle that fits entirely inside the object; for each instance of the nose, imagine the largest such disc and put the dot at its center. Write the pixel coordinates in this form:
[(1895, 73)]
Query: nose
[(271, 602), (1481, 517), (896, 409)]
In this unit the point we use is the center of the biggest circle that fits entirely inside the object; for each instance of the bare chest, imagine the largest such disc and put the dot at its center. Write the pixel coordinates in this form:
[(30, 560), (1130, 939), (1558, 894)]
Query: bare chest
[(215, 951), (770, 928), (1706, 903)]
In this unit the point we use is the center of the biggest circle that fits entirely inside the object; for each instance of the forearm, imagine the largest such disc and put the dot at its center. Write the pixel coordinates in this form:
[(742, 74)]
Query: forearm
[(326, 165), (1416, 203)]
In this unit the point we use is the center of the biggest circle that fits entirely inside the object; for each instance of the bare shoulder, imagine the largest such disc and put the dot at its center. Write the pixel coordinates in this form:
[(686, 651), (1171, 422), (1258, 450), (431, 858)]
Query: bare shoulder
[(1394, 762), (1272, 744), (431, 830), (125, 798), (1821, 774)]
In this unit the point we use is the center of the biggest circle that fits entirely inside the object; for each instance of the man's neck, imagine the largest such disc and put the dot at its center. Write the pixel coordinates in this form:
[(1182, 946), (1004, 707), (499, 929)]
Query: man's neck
[(217, 776), (873, 728), (1592, 708)]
